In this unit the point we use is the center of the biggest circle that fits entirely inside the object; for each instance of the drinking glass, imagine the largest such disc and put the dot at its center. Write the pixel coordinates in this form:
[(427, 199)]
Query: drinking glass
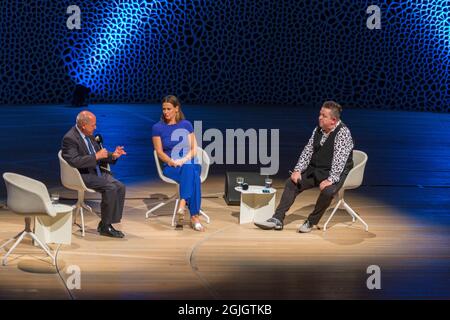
[(240, 181), (267, 183), (54, 197)]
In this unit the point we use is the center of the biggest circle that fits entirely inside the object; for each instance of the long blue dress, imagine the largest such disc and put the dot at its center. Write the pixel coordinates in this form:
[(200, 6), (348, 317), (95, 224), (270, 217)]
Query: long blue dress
[(175, 144)]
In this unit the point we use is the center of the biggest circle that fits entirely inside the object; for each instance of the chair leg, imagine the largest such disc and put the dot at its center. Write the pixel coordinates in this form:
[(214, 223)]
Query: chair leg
[(79, 210), (353, 218), (355, 215), (82, 221), (175, 212), (19, 240), (159, 205), (20, 237), (205, 215), (12, 239), (75, 214), (80, 201), (82, 204), (332, 214), (43, 246), (85, 206)]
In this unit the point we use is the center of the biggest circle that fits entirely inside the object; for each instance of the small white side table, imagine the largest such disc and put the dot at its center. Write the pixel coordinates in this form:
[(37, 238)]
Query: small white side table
[(256, 205), (56, 229)]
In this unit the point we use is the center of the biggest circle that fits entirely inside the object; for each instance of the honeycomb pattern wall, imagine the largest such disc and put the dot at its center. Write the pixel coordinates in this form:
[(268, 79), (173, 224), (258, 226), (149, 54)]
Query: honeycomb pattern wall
[(228, 51)]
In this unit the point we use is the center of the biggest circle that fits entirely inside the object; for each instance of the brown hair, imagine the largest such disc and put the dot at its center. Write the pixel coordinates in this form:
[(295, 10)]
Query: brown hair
[(335, 108), (176, 103)]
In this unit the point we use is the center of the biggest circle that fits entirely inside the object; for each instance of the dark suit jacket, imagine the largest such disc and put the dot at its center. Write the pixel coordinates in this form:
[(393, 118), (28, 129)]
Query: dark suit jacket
[(76, 153)]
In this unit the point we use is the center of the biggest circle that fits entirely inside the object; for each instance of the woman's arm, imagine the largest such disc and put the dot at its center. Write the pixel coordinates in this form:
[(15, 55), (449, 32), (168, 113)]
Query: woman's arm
[(192, 149), (157, 144), (193, 144)]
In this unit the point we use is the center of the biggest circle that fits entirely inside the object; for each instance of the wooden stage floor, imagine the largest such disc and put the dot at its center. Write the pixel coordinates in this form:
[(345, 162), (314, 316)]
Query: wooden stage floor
[(408, 216)]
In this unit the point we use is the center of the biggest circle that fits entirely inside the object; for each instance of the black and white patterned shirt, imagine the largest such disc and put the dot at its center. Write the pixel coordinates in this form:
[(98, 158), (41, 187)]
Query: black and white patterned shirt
[(343, 145)]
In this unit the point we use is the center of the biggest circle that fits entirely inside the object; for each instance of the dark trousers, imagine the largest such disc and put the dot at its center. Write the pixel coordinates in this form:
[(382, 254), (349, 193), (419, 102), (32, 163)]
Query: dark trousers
[(113, 195), (292, 190)]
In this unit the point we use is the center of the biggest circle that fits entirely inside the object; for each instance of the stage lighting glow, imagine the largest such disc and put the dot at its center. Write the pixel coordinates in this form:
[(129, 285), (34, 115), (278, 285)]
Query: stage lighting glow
[(429, 23), (434, 16), (138, 50), (119, 26)]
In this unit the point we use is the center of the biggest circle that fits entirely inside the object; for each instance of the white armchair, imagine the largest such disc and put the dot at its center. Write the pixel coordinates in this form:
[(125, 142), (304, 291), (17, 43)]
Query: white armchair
[(29, 198), (205, 162), (71, 179), (353, 181)]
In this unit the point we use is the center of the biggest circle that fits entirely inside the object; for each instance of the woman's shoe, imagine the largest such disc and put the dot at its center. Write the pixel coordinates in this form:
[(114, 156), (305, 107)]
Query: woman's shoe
[(180, 218), (197, 226)]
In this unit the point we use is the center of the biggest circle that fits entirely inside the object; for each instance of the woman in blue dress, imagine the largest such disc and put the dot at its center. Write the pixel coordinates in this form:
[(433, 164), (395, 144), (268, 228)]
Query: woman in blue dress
[(174, 141)]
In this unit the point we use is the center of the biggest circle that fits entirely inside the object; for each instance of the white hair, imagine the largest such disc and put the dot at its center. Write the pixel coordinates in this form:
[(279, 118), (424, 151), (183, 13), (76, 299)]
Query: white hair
[(84, 117)]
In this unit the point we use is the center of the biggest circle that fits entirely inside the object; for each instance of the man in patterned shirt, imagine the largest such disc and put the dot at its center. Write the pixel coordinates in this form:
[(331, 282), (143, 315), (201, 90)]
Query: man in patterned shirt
[(324, 163)]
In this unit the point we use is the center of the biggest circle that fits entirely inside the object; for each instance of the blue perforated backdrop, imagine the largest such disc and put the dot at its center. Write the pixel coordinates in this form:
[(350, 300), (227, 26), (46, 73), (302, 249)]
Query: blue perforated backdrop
[(233, 52)]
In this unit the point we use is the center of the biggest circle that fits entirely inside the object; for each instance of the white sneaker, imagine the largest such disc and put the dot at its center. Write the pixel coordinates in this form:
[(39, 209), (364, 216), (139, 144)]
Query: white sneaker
[(305, 227)]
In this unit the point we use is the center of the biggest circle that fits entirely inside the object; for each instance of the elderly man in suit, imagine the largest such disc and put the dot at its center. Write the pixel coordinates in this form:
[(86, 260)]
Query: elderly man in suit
[(81, 151)]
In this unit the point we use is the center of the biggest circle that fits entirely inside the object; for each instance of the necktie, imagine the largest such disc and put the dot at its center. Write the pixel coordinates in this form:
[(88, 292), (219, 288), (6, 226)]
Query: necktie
[(92, 151)]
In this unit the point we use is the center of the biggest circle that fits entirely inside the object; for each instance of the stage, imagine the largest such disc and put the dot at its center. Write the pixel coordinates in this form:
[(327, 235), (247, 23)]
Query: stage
[(404, 199)]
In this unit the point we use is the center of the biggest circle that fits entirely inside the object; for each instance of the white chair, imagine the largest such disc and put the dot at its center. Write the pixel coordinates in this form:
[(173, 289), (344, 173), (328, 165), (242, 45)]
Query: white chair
[(204, 162), (71, 179), (29, 198), (353, 181)]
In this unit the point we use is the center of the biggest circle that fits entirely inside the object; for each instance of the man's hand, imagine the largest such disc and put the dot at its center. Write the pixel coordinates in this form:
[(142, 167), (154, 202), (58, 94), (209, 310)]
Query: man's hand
[(296, 177), (102, 154), (325, 183), (118, 152)]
